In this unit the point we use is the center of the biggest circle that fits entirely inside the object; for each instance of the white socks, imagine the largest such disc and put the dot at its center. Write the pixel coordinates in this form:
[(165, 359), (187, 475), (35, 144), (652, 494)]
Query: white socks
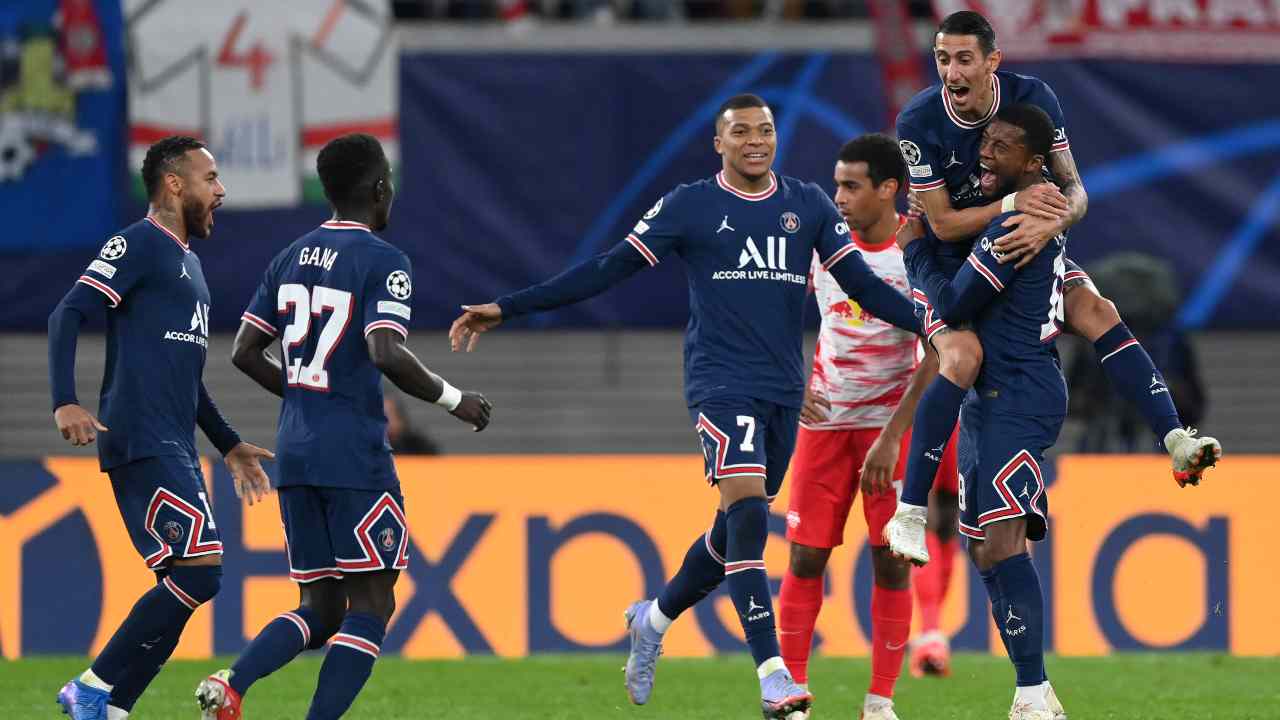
[(872, 702), (657, 620), (115, 713), (770, 666), (1033, 696), (93, 681)]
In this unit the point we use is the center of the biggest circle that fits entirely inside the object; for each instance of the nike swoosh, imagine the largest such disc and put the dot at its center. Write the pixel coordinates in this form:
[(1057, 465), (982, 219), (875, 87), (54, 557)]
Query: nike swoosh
[(892, 648)]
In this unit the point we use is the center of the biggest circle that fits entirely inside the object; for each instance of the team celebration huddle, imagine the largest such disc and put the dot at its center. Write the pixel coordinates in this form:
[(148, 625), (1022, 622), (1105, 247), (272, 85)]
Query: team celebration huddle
[(939, 261)]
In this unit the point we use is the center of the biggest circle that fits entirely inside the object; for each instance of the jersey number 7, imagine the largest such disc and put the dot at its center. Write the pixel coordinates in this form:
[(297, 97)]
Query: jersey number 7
[(303, 304)]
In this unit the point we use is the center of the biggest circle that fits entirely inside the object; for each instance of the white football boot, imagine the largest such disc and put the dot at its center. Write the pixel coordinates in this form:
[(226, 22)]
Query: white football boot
[(905, 533), (878, 710), (1055, 705), (1191, 455)]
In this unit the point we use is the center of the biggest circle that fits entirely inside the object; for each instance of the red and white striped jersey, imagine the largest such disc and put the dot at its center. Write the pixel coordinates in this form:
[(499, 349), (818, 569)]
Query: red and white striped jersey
[(862, 363)]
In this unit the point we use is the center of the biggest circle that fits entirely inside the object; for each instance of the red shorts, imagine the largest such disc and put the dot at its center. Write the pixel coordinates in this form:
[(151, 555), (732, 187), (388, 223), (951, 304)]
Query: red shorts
[(825, 477), (948, 478)]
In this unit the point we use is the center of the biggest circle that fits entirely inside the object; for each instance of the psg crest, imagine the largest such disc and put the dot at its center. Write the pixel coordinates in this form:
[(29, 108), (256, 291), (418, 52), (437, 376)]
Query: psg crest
[(172, 531), (790, 221), (387, 538)]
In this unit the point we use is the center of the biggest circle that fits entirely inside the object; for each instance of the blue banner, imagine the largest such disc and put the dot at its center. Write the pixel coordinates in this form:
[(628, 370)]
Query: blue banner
[(516, 165)]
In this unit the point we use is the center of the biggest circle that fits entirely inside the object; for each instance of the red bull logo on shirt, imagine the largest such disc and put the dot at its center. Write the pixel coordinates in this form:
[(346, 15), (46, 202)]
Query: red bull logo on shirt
[(547, 566)]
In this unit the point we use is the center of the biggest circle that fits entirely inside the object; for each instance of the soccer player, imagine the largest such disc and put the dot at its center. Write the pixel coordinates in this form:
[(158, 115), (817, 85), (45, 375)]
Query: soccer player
[(939, 133), (746, 236), (157, 307), (858, 406), (340, 500), (1021, 398)]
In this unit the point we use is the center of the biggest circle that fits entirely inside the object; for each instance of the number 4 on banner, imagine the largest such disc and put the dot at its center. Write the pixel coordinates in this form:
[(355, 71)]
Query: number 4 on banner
[(256, 61)]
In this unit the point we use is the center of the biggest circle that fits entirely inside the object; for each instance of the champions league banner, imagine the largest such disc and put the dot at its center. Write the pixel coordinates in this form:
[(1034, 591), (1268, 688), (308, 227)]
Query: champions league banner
[(548, 565)]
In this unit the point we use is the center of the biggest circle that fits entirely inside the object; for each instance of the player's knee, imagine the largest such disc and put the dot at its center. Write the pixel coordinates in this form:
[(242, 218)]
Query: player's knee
[(1003, 540), (195, 584), (891, 573), (962, 359), (808, 562), (327, 605), (377, 604)]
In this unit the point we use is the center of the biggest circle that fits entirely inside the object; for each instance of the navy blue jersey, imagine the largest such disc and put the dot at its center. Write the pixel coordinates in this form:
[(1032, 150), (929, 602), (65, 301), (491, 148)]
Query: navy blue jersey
[(1016, 314), (747, 260), (941, 148), (157, 339), (321, 296)]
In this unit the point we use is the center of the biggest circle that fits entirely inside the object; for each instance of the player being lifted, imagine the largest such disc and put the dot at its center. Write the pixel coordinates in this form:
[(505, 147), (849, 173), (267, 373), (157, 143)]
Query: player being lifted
[(939, 133), (746, 236), (340, 499), (152, 399), (1021, 398), (851, 432)]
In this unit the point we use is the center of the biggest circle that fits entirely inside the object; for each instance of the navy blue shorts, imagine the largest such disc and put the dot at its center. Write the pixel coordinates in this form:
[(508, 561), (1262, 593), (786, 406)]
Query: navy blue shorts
[(165, 509), (331, 531), (1000, 476), (746, 436)]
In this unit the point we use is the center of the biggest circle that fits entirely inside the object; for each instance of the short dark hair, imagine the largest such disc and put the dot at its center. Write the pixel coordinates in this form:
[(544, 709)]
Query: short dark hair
[(739, 102), (1035, 123), (882, 156), (165, 156), (968, 22), (349, 167)]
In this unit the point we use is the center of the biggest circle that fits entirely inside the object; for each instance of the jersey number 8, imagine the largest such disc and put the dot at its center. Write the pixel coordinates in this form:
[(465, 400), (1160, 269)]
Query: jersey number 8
[(303, 304)]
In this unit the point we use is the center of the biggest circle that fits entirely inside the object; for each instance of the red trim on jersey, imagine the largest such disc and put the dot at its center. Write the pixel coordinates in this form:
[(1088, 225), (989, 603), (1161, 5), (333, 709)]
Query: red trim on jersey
[(643, 249), (721, 439), (259, 323), (838, 255), (973, 532), (344, 225), (169, 232), (1075, 275), (181, 594), (984, 272), (1123, 346), (112, 295), (965, 124), (355, 642), (404, 333), (1060, 146), (753, 197), (921, 187), (194, 548), (320, 135), (892, 239)]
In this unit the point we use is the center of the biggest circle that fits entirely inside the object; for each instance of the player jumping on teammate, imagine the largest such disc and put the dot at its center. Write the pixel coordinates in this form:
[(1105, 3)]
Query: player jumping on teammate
[(746, 236), (340, 499), (153, 398), (939, 133)]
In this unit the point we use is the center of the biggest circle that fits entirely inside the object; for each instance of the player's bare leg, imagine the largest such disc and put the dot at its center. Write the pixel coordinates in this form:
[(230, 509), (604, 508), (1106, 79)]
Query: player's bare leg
[(1017, 606), (1136, 378), (746, 509), (960, 360), (321, 606), (931, 651)]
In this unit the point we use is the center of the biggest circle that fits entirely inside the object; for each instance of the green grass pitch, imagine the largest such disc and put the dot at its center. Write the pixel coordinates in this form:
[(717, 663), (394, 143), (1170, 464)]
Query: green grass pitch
[(1128, 687)]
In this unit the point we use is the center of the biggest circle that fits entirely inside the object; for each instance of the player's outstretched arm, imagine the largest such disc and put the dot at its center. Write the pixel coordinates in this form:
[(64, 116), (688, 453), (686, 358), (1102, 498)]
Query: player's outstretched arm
[(475, 319), (882, 458), (77, 425), (402, 367), (249, 354)]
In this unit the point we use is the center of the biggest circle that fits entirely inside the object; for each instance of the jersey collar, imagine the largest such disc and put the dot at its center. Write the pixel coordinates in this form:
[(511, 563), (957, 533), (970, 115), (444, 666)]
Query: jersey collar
[(965, 124), (753, 197), (868, 247), (185, 247), (344, 225)]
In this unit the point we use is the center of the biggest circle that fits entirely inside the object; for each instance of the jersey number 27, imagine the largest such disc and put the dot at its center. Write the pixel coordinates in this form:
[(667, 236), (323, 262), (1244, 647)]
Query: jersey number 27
[(305, 304)]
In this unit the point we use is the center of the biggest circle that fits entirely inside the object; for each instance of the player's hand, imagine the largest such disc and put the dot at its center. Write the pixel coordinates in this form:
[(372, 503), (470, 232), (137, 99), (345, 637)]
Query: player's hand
[(915, 208), (1029, 236), (1042, 200), (816, 407), (474, 320), (473, 409), (880, 464), (911, 231), (77, 424), (244, 462)]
